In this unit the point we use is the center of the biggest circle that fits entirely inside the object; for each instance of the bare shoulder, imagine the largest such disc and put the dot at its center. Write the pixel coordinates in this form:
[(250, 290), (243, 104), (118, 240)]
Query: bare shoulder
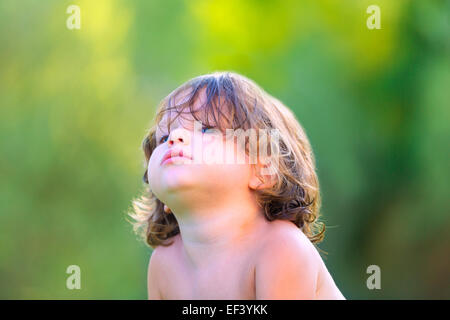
[(160, 259), (287, 265), (305, 275), (284, 235)]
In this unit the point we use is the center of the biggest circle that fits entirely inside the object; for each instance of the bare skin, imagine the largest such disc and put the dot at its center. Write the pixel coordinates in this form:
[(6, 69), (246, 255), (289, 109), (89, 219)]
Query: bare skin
[(226, 248), (232, 276)]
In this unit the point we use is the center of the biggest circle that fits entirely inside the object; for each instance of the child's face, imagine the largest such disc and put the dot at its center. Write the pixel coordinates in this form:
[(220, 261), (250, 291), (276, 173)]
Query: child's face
[(203, 171)]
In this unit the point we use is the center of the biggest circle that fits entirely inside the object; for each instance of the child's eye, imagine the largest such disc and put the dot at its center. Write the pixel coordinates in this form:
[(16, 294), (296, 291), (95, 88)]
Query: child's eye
[(163, 139), (205, 128)]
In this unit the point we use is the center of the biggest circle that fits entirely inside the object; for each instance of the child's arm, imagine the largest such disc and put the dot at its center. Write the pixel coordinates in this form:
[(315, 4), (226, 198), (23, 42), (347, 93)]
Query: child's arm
[(287, 269), (152, 276)]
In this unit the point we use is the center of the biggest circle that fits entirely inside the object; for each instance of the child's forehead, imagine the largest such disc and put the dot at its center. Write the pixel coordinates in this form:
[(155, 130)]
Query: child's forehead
[(179, 111), (182, 114), (174, 118)]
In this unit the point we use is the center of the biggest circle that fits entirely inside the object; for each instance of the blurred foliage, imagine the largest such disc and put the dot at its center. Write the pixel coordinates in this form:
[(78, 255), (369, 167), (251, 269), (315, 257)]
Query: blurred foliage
[(75, 105)]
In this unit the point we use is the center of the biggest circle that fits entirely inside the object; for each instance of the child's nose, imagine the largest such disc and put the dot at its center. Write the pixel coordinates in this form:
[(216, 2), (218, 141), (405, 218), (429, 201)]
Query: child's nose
[(179, 135)]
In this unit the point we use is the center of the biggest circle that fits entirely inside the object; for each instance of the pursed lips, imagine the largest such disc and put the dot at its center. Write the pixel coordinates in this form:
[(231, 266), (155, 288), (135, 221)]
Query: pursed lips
[(175, 154)]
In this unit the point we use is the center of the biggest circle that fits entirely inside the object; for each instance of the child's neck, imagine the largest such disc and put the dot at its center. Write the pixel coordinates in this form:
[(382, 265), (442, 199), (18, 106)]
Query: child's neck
[(210, 232)]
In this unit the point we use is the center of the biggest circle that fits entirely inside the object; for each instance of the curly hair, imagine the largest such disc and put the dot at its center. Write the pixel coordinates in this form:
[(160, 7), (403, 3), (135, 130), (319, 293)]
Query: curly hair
[(295, 195)]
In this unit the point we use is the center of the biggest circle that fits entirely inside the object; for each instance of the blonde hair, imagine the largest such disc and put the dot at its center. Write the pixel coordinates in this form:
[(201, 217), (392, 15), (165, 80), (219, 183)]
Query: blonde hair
[(295, 195)]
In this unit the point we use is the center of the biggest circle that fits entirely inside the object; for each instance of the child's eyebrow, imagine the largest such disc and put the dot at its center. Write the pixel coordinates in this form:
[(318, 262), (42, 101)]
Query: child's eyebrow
[(162, 128), (160, 132), (182, 119)]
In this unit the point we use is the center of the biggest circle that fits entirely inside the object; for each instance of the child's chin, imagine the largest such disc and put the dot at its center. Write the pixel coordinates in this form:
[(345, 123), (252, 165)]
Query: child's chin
[(177, 177)]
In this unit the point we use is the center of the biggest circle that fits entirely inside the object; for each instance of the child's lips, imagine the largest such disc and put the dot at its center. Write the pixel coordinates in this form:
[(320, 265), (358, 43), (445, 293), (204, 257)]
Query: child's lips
[(174, 155), (176, 160)]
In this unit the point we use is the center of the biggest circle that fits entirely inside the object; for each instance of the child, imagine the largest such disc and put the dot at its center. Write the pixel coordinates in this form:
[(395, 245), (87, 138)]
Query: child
[(230, 228)]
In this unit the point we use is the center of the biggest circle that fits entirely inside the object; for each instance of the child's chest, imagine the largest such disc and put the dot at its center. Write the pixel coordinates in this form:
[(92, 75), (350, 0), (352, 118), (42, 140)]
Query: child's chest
[(231, 279)]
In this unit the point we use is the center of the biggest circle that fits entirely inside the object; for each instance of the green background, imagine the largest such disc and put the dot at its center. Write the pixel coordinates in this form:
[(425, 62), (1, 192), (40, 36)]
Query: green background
[(76, 104)]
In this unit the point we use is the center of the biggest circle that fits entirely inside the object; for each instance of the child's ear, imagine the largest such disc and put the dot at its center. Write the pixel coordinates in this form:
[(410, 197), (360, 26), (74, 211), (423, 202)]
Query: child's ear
[(145, 177), (262, 176), (167, 209)]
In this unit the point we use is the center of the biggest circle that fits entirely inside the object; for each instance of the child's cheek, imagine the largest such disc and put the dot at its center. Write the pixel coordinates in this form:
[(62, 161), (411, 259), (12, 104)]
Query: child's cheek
[(208, 139), (153, 161), (212, 149)]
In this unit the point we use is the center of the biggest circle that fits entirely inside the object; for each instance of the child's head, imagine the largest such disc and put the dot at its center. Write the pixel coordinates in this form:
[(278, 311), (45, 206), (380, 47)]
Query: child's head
[(289, 190)]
